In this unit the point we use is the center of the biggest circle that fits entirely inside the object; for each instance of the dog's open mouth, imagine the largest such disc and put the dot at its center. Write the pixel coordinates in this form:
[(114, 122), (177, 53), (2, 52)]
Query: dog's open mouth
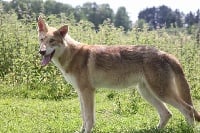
[(47, 58)]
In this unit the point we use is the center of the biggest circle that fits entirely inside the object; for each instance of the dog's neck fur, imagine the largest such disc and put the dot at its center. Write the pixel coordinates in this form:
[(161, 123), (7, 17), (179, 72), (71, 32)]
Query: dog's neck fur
[(70, 48), (64, 61), (70, 41)]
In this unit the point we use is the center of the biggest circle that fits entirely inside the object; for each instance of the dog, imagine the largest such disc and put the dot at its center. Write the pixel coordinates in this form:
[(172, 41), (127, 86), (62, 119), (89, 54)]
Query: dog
[(158, 75)]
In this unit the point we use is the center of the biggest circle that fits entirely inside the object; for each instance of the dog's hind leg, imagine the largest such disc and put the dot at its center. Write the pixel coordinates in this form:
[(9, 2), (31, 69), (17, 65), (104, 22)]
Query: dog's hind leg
[(163, 111), (186, 109), (165, 89)]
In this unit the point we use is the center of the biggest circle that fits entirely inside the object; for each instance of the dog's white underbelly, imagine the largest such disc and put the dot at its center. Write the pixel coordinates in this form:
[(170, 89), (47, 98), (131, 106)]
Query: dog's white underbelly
[(105, 80)]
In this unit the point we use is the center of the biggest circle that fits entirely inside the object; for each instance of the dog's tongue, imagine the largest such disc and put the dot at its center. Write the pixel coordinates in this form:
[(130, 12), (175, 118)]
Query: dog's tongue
[(46, 60)]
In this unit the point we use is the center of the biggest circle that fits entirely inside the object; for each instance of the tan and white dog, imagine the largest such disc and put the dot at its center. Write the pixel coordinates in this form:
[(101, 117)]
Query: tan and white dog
[(158, 75)]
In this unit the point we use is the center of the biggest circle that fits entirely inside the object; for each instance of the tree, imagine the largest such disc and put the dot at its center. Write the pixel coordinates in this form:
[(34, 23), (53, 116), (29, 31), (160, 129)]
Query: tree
[(122, 19), (37, 6), (94, 13), (53, 7), (166, 16), (105, 12), (79, 14), (149, 16), (140, 24), (6, 6), (162, 16), (190, 19), (179, 18), (90, 11), (197, 17), (21, 7)]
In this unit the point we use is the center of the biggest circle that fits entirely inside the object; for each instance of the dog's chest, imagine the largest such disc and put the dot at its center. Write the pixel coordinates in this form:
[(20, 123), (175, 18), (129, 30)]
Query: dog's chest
[(68, 77)]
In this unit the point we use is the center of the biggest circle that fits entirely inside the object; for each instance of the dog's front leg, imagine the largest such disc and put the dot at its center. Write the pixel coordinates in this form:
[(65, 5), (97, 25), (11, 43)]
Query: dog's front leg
[(86, 96), (82, 130)]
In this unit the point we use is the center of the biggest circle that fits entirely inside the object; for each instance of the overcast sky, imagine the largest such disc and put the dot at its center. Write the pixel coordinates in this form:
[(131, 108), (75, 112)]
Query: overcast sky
[(133, 7)]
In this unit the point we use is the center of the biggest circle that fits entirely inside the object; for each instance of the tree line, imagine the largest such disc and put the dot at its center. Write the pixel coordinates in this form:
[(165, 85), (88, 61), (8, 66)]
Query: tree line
[(90, 11), (155, 17), (163, 16)]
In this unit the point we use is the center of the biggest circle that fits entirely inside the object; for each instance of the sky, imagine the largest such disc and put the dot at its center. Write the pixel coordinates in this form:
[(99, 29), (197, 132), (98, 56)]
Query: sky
[(133, 7)]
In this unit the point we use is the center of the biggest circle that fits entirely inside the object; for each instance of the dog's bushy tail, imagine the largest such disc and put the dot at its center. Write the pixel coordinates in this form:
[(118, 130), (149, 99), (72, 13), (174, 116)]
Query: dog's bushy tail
[(181, 83)]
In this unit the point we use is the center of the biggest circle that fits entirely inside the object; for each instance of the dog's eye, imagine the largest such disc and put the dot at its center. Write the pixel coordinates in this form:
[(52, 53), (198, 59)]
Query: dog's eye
[(42, 39), (51, 40)]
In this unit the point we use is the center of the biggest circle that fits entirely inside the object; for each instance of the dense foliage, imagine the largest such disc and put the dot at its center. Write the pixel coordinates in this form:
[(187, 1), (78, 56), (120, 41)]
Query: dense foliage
[(22, 75)]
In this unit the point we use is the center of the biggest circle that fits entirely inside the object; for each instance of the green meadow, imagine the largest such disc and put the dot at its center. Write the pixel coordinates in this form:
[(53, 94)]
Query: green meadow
[(35, 99)]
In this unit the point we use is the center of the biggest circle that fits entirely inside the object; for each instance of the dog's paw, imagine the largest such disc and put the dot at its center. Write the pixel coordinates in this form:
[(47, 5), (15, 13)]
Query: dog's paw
[(81, 131)]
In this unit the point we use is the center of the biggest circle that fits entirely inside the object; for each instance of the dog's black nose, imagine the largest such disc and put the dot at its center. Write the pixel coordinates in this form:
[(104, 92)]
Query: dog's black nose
[(42, 52)]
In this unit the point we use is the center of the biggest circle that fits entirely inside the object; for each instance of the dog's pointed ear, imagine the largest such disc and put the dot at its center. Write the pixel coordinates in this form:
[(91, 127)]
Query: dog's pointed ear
[(42, 27), (63, 30)]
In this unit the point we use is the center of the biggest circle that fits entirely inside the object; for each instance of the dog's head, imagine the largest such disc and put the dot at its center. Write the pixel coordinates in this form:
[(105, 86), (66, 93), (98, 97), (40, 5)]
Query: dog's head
[(51, 40)]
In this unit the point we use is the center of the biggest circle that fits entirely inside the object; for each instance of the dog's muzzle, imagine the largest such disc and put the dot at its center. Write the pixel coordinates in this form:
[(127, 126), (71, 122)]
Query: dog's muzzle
[(46, 57), (42, 52)]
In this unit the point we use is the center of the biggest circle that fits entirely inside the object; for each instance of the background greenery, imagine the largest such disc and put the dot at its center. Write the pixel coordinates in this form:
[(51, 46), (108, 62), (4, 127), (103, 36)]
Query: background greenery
[(20, 61), (37, 99)]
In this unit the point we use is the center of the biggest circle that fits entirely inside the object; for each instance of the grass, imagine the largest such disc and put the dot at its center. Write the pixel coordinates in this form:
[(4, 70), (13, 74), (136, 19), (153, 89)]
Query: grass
[(49, 116), (31, 115)]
